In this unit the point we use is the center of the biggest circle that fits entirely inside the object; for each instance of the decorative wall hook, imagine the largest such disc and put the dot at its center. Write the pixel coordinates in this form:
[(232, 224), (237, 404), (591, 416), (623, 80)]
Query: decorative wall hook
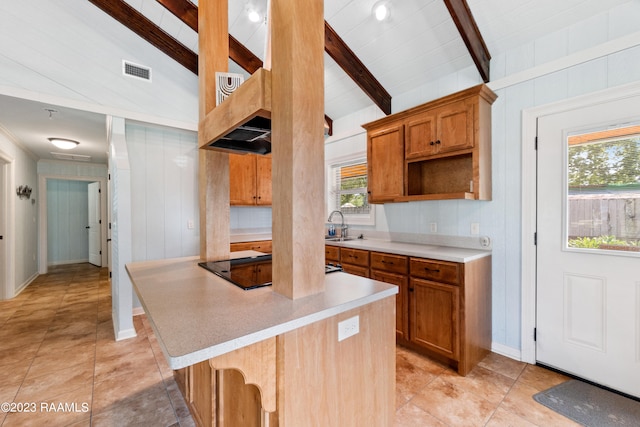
[(24, 191)]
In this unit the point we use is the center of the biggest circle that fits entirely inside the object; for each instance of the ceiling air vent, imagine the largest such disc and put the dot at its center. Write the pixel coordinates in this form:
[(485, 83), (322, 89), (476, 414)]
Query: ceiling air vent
[(74, 157), (135, 70)]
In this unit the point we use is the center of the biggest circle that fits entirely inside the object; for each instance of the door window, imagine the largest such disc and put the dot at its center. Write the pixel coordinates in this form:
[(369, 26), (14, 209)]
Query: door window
[(603, 191)]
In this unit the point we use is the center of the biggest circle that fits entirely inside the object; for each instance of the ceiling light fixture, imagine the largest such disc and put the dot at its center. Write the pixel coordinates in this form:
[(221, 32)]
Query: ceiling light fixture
[(253, 15), (381, 10), (64, 144)]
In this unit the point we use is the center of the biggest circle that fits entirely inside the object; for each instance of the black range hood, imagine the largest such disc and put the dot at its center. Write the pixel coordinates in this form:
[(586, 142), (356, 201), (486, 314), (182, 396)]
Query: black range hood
[(254, 136)]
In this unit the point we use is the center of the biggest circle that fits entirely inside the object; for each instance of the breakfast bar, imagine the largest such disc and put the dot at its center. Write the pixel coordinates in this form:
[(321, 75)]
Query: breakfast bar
[(293, 351)]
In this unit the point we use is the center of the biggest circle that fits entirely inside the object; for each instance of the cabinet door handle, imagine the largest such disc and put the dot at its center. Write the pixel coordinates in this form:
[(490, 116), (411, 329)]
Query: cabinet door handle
[(410, 289), (387, 262), (432, 143), (432, 269), (438, 141)]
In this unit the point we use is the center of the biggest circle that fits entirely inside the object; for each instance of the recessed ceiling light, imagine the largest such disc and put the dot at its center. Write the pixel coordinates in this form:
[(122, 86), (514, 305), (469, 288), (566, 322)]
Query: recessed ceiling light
[(381, 10), (64, 144), (253, 15)]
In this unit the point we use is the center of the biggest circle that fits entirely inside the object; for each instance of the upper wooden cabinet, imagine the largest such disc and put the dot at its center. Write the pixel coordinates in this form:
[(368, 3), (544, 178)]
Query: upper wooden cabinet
[(385, 163), (249, 180), (445, 145)]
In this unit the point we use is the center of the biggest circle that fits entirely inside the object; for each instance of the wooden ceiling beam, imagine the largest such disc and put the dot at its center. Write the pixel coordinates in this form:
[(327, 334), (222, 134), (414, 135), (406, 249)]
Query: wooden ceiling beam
[(139, 24), (351, 64), (468, 29)]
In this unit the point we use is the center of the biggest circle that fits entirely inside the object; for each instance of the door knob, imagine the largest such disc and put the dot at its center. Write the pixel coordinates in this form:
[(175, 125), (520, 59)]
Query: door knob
[(87, 226)]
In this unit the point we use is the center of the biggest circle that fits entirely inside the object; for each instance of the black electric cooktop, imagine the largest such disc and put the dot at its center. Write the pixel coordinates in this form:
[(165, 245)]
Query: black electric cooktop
[(250, 272)]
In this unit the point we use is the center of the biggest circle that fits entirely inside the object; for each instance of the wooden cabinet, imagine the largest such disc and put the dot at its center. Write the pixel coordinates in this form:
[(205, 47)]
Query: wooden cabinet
[(259, 245), (331, 254), (450, 309), (433, 319), (385, 163), (250, 180), (443, 130), (393, 269), (446, 150), (443, 308), (355, 261)]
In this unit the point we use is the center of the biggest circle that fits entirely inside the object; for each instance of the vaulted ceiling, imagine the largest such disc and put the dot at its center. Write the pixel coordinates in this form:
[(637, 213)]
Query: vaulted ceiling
[(61, 54)]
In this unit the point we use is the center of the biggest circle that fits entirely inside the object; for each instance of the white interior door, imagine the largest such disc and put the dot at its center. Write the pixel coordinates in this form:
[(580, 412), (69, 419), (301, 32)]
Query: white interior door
[(588, 298), (93, 227)]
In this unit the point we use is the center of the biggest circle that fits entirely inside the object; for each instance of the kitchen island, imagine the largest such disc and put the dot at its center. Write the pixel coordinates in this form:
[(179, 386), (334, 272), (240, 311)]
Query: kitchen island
[(209, 326)]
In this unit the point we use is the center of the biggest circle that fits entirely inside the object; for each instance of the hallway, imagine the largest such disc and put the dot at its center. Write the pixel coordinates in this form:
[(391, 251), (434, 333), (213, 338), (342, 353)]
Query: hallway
[(58, 357), (57, 346)]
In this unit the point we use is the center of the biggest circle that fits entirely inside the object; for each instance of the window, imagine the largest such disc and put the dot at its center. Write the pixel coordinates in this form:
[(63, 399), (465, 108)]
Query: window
[(604, 190), (347, 191)]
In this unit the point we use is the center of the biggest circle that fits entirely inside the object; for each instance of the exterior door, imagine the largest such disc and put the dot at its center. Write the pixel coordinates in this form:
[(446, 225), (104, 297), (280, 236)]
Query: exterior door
[(588, 264), (95, 257)]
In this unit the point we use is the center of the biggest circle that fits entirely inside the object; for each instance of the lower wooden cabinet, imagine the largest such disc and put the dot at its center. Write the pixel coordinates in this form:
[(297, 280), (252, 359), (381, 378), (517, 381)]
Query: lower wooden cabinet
[(443, 308), (355, 261), (259, 245), (402, 300), (433, 318), (331, 254)]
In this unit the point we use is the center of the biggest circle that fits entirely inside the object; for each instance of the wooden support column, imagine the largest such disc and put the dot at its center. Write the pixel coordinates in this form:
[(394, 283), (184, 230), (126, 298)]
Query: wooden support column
[(297, 91), (213, 176)]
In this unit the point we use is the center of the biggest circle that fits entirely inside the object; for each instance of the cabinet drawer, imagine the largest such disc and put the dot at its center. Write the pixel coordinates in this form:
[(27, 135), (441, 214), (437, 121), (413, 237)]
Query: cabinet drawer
[(439, 271), (260, 246), (389, 263), (356, 269), (331, 253), (354, 256)]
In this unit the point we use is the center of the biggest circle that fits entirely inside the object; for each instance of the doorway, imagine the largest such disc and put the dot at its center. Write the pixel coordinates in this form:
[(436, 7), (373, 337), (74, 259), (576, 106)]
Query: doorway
[(585, 302), (100, 228)]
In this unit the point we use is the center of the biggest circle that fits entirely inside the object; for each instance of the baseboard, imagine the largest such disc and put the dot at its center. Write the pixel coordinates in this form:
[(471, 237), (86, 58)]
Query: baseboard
[(137, 311), (510, 352), (77, 261), (25, 284), (124, 334)]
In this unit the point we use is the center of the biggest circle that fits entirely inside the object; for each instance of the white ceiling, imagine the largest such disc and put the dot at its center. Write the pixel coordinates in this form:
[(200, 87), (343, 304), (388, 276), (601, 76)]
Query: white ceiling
[(77, 64)]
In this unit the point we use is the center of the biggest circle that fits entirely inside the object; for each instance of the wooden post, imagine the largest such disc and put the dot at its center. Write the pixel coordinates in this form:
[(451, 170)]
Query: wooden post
[(213, 177), (297, 91)]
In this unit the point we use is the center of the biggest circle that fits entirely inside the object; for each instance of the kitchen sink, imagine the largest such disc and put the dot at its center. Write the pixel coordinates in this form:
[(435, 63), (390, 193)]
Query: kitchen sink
[(338, 239)]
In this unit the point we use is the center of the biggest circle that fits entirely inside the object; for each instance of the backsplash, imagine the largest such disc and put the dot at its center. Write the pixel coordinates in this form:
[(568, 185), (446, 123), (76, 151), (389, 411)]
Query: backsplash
[(250, 218)]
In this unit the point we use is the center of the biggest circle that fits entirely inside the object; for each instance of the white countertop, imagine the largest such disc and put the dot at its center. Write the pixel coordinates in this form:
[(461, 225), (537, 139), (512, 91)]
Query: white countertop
[(442, 253), (197, 315)]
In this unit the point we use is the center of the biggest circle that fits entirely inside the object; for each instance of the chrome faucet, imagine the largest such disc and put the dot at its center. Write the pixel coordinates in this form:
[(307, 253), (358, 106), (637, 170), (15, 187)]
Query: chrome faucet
[(343, 226)]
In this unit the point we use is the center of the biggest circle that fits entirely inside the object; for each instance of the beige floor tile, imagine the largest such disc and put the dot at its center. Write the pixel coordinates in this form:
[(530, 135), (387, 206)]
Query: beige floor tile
[(50, 359), (52, 384), (503, 418), (519, 401), (18, 354), (491, 385), (413, 373), (412, 416), (540, 378), (503, 365), (453, 405), (150, 407)]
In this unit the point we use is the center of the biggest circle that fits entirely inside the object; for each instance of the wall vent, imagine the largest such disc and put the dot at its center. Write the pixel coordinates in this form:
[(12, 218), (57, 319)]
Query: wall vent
[(135, 70), (74, 157)]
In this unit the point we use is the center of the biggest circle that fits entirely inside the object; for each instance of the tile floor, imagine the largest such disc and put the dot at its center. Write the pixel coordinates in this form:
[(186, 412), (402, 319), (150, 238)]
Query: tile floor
[(57, 348)]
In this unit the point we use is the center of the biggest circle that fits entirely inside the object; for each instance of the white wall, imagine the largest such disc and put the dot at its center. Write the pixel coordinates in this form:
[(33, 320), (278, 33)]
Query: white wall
[(532, 75), (164, 191), (25, 233), (67, 217)]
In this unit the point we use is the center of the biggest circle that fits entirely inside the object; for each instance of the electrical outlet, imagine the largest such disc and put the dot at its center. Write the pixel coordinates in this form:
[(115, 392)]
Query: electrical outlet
[(348, 328), (485, 241), (190, 224), (475, 228), (433, 227)]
